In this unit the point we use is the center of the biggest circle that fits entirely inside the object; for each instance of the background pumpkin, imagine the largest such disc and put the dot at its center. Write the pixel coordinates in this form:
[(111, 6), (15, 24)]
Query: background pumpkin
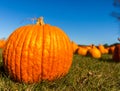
[(116, 53), (82, 51), (2, 43), (37, 52), (111, 49), (94, 52), (74, 46), (101, 48)]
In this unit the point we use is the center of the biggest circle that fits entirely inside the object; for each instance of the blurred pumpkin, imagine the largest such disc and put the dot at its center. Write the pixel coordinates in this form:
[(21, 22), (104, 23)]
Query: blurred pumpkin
[(2, 43), (88, 47), (106, 50), (94, 52), (116, 54), (111, 49), (37, 52), (102, 49), (82, 51)]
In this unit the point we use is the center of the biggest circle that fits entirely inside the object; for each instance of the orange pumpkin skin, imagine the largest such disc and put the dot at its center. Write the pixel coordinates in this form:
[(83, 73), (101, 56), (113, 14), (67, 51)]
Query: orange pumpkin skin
[(111, 49), (116, 53), (37, 52), (101, 48), (82, 51), (94, 52)]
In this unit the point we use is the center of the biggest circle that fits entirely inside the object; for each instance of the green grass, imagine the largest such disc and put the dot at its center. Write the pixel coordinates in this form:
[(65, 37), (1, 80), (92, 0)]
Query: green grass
[(86, 74)]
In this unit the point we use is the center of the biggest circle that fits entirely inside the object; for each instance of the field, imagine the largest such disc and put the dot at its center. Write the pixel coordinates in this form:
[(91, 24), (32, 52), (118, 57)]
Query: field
[(86, 74)]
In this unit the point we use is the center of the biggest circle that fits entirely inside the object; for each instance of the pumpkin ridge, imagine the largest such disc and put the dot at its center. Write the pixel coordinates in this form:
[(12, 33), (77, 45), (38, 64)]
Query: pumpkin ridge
[(22, 74), (58, 53), (56, 65), (52, 52), (46, 53), (35, 41), (21, 31), (23, 38), (7, 63), (46, 49), (8, 51), (49, 61), (40, 33), (35, 77), (11, 55), (42, 57), (10, 60), (29, 70)]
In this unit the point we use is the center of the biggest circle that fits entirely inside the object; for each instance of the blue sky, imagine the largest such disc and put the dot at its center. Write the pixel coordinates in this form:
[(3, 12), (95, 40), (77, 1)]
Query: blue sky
[(84, 21)]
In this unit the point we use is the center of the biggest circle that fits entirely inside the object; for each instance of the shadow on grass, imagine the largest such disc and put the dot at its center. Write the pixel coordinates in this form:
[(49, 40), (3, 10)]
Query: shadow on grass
[(2, 71), (4, 75), (110, 60), (107, 60)]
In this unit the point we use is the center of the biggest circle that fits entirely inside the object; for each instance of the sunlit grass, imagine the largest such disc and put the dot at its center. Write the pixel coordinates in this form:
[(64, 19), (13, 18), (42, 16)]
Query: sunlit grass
[(86, 74)]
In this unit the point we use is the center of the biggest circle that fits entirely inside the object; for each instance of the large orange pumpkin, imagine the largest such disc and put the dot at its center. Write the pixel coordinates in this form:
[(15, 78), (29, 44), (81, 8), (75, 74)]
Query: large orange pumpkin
[(37, 52)]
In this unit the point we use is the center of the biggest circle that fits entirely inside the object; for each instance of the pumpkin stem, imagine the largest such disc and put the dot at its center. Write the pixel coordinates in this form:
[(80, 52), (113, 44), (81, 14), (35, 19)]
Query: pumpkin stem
[(40, 21)]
